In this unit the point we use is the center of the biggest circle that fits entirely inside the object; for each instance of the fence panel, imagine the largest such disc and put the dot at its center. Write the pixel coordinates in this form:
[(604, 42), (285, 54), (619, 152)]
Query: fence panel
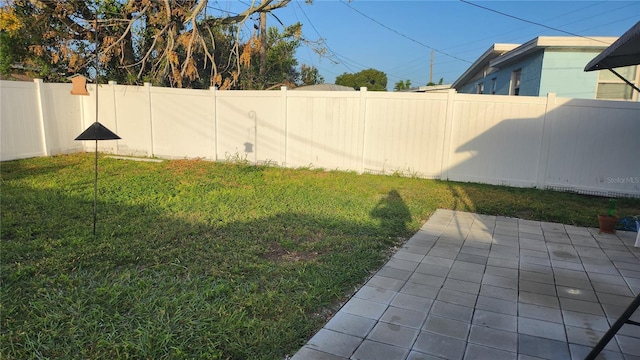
[(594, 146), (589, 146), (405, 133), (183, 123), (323, 130), (62, 114), (21, 126), (496, 139), (132, 109), (250, 126)]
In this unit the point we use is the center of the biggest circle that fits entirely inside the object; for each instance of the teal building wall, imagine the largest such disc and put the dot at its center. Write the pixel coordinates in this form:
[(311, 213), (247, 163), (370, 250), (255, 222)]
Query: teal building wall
[(563, 73), (560, 72)]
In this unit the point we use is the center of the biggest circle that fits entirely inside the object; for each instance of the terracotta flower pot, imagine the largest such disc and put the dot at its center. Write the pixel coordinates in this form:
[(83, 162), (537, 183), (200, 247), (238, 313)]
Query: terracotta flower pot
[(607, 224)]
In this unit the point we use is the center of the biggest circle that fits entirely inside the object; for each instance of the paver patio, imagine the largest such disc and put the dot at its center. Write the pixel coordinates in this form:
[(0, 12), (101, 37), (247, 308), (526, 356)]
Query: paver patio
[(470, 286)]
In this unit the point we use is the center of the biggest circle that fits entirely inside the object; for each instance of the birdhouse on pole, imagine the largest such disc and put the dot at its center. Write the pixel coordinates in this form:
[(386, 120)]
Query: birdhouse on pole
[(78, 85)]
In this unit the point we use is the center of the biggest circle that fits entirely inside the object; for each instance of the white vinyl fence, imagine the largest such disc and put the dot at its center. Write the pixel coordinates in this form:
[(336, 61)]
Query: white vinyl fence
[(587, 146)]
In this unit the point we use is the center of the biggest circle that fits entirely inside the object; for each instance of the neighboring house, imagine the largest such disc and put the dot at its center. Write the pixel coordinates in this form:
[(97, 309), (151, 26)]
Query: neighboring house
[(547, 64), (443, 88), (325, 87)]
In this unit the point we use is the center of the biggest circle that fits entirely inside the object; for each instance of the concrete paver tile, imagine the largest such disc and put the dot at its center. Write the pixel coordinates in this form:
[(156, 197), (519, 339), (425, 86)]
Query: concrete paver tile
[(579, 352), (538, 299), (501, 271), (371, 350), (433, 269), (422, 290), (503, 263), (537, 287), (573, 282), (538, 312), (629, 345), (588, 307), (476, 259), (535, 267), (584, 320), (350, 324), (471, 276), (412, 302), (457, 297), (499, 292), (495, 338), (405, 253), (540, 328), (606, 298), (427, 279), (364, 308), (497, 305), (452, 311), (461, 285), (334, 342), (308, 353), (416, 355), (382, 282), (542, 348), (589, 337), (479, 352), (404, 317), (495, 320), (375, 294), (576, 293), (500, 281), (467, 266), (545, 278), (436, 260), (447, 327), (442, 346), (393, 334)]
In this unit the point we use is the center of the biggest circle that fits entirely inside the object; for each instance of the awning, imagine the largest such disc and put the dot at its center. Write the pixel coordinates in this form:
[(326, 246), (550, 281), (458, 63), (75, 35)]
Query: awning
[(623, 52)]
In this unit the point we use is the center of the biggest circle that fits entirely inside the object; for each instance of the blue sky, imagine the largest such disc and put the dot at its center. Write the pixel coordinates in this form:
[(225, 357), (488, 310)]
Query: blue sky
[(397, 37)]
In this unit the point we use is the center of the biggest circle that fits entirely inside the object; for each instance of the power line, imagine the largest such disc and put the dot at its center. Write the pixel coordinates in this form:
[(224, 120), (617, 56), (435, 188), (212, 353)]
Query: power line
[(403, 35), (327, 46), (529, 21)]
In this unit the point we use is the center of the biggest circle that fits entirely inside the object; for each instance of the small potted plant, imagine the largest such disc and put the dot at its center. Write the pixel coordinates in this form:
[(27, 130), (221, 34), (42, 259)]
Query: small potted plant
[(609, 221)]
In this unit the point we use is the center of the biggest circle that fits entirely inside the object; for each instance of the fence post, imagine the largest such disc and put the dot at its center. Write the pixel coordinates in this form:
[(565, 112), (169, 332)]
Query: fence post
[(448, 130), (363, 121), (545, 141), (214, 101), (284, 111), (147, 87), (43, 126), (113, 84)]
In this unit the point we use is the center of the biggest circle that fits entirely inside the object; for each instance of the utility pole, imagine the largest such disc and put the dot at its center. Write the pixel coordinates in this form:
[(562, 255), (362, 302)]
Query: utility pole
[(431, 69), (263, 42)]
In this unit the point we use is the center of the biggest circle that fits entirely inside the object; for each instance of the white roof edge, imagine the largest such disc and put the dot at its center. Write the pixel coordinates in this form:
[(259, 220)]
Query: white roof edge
[(541, 42), (495, 49)]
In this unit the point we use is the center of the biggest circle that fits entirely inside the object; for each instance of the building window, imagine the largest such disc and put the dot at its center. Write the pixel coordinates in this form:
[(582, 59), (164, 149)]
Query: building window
[(480, 88), (493, 86), (515, 82), (612, 87)]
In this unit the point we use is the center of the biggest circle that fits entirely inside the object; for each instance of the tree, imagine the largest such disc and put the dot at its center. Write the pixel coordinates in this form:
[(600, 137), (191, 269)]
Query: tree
[(372, 79), (309, 75), (434, 84), (401, 85), (165, 42), (280, 64)]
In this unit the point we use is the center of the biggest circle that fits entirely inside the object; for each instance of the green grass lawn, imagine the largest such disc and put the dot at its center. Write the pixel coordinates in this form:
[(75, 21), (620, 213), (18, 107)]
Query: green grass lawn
[(196, 259)]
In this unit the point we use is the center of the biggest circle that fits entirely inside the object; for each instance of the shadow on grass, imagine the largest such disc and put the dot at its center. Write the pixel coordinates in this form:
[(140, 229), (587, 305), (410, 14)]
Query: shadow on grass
[(154, 284)]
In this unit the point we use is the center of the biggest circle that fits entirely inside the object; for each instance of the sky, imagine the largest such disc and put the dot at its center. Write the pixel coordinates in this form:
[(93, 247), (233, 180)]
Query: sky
[(399, 37)]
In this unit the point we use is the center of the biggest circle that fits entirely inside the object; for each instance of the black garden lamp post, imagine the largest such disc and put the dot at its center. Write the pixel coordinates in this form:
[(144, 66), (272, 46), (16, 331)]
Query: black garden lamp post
[(96, 132)]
